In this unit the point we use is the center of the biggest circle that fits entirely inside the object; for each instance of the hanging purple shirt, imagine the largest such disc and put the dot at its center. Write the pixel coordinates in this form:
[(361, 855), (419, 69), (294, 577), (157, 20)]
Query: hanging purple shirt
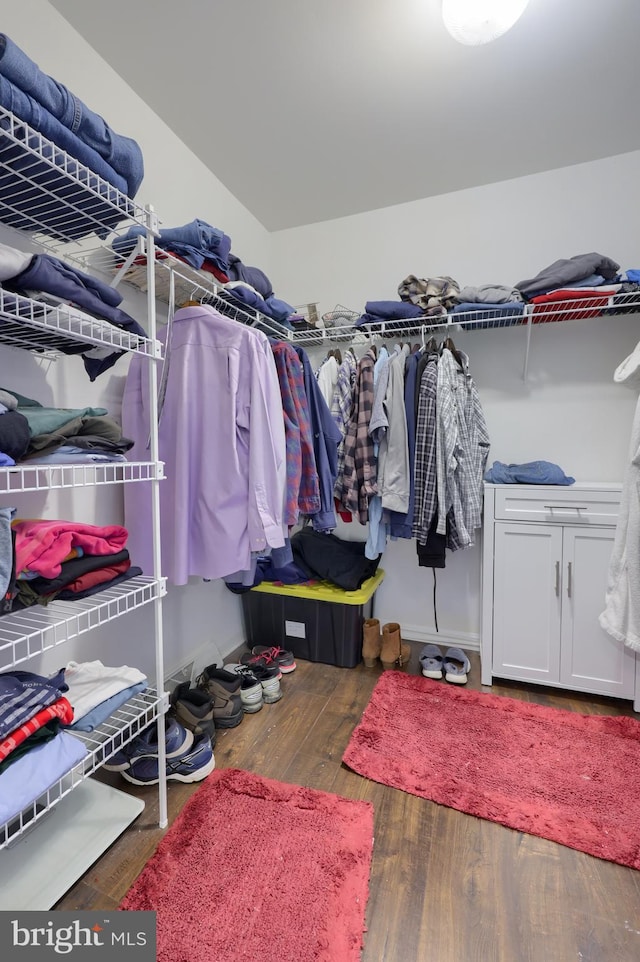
[(221, 437)]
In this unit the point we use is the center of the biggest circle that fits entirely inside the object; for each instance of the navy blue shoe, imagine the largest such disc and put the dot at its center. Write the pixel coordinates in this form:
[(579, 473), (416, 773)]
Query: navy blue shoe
[(192, 766), (177, 741)]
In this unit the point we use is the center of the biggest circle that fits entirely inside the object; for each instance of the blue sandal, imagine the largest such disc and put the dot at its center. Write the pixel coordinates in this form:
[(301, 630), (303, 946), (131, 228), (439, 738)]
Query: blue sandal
[(431, 661), (456, 666)]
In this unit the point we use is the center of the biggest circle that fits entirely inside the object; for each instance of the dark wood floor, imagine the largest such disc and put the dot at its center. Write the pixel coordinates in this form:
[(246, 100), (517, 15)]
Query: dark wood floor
[(445, 887)]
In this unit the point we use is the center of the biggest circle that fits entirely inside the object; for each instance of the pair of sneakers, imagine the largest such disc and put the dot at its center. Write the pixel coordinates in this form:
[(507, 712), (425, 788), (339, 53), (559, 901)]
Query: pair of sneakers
[(245, 686), (453, 665), (259, 685), (188, 757), (270, 657)]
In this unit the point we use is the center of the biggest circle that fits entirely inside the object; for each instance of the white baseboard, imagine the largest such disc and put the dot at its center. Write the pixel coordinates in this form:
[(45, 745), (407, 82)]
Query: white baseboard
[(446, 639)]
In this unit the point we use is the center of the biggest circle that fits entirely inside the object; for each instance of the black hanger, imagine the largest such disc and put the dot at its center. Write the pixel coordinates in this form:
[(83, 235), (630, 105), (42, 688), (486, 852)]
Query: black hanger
[(450, 346)]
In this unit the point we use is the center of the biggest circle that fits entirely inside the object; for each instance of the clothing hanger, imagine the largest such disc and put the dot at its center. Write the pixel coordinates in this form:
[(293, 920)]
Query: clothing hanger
[(450, 346), (192, 301)]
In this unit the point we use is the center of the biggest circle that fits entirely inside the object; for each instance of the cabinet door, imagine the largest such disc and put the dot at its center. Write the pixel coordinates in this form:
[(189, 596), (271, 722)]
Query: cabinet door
[(527, 599), (591, 659)]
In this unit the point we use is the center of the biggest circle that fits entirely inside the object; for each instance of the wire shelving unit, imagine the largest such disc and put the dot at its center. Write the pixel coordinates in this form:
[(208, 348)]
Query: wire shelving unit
[(49, 202)]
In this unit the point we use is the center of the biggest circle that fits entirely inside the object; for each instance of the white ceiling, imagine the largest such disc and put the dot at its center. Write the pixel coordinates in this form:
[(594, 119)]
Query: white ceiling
[(309, 110)]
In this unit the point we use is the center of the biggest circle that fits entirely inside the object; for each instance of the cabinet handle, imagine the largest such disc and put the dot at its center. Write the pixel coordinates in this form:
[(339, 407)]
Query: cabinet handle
[(566, 507), (569, 579), (557, 579)]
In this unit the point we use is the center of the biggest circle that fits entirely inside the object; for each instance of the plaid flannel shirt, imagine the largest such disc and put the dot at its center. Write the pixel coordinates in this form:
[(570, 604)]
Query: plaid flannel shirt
[(462, 449), (303, 492), (342, 408), (360, 462), (424, 472)]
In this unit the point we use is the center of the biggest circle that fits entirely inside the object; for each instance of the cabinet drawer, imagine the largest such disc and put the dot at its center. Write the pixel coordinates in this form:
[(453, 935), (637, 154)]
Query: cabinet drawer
[(560, 505)]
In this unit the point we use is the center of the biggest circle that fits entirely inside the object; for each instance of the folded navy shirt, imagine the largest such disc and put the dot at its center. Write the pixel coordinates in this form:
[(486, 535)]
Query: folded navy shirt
[(533, 472)]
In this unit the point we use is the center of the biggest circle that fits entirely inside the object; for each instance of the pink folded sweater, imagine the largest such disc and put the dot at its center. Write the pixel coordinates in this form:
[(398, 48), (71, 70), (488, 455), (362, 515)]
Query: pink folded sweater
[(42, 546)]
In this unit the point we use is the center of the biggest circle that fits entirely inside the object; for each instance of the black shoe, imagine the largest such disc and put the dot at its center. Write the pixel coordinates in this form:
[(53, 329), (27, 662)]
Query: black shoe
[(193, 708)]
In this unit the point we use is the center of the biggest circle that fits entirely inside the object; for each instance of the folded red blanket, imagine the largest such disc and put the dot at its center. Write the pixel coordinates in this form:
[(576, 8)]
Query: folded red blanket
[(566, 304)]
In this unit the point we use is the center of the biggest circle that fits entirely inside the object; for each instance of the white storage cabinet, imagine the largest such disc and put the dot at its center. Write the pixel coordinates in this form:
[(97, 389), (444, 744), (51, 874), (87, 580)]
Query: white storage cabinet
[(546, 552)]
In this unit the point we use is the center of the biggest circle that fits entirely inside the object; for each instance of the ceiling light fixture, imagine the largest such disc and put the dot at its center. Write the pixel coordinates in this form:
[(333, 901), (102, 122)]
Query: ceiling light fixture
[(474, 22)]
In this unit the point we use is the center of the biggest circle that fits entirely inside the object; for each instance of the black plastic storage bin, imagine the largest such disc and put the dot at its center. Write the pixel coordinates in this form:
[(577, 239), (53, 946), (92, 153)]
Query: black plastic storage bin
[(317, 622)]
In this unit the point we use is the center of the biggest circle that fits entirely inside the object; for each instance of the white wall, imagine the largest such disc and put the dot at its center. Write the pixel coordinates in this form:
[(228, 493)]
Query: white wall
[(199, 618), (568, 410)]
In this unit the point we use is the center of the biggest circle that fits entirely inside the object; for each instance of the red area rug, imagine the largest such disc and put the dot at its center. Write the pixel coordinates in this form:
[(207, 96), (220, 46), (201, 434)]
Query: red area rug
[(570, 778), (254, 870)]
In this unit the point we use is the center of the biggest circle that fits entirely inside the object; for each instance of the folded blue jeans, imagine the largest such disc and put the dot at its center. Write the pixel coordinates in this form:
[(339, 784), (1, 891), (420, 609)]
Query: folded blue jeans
[(122, 154), (195, 242)]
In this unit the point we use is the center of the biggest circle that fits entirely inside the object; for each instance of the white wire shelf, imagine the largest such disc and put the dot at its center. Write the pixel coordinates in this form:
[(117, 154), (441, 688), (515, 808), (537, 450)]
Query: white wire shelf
[(48, 193), (443, 324), (177, 282), (55, 330), (120, 728), (40, 628), (45, 477)]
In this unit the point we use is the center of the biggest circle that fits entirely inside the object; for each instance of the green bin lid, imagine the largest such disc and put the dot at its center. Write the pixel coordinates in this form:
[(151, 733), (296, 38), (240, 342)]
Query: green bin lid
[(325, 591)]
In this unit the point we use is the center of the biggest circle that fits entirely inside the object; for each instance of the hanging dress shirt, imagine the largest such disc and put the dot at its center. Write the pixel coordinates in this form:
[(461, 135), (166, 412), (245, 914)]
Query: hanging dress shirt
[(360, 463), (328, 379), (393, 456), (425, 467), (462, 448), (401, 523), (221, 436), (378, 425), (342, 407), (303, 494), (326, 438)]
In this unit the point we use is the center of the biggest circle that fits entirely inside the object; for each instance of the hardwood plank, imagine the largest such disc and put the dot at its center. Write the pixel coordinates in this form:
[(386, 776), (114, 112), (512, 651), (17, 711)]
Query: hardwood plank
[(445, 886)]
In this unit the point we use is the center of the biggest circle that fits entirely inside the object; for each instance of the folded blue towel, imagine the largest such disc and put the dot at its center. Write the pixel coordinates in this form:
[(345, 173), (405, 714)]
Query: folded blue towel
[(392, 309), (533, 472)]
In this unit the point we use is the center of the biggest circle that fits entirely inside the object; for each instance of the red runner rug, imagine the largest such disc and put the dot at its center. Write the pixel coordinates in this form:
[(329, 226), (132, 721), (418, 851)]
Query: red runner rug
[(254, 869), (567, 777)]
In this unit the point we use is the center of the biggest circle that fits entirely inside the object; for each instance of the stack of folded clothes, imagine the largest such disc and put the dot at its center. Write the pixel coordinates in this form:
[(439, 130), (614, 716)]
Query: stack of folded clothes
[(582, 286), (43, 560), (209, 249), (489, 305), (34, 752), (44, 435), (584, 283), (393, 315), (198, 244), (54, 112), (35, 275)]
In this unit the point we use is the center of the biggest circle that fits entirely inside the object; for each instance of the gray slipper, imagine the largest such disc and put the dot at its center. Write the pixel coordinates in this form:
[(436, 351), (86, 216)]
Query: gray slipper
[(431, 661), (456, 665)]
